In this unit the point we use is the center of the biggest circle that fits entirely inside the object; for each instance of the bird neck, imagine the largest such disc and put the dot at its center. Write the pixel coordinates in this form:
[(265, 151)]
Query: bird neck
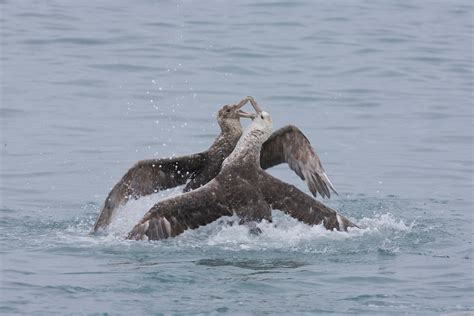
[(248, 148), (231, 127), (226, 140), (231, 131)]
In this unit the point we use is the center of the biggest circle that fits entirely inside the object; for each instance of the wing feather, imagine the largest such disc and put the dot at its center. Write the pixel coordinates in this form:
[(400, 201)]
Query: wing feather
[(147, 177), (171, 217), (290, 145), (287, 198)]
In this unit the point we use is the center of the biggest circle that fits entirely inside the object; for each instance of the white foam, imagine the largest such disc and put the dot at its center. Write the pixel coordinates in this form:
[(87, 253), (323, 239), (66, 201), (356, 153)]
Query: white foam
[(124, 220), (384, 221), (288, 233), (129, 214), (283, 233)]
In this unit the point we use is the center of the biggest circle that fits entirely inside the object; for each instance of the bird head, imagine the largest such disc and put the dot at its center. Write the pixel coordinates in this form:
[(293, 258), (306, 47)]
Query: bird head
[(229, 115), (262, 123)]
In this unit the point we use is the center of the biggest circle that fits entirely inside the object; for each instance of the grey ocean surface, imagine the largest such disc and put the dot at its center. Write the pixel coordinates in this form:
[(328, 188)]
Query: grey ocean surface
[(384, 91)]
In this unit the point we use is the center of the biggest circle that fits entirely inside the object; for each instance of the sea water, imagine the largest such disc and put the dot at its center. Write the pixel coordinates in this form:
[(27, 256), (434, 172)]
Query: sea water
[(383, 90)]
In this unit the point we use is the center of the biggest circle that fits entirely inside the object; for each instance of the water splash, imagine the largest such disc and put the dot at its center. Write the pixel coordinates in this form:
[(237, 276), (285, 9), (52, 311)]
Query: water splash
[(383, 233)]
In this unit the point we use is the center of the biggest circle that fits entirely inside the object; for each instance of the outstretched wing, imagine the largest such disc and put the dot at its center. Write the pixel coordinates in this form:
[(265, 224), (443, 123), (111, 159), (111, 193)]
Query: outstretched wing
[(172, 216), (290, 145), (289, 199), (147, 177)]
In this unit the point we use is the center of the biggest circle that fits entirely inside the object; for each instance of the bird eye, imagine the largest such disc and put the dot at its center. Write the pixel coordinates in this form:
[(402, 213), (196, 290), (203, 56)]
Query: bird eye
[(261, 116), (228, 110)]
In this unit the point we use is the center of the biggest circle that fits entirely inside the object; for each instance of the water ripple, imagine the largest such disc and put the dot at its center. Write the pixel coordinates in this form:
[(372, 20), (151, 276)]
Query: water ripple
[(382, 90)]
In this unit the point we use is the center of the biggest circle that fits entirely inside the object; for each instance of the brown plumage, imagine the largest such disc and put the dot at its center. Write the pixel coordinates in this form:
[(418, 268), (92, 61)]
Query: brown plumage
[(242, 187), (286, 145), (290, 145), (153, 175)]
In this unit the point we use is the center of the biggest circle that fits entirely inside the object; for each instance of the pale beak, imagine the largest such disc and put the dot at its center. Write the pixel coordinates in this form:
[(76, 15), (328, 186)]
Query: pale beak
[(243, 102), (246, 114), (255, 105)]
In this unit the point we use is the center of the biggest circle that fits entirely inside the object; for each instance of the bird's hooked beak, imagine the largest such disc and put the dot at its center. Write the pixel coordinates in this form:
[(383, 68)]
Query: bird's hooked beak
[(254, 105), (246, 114)]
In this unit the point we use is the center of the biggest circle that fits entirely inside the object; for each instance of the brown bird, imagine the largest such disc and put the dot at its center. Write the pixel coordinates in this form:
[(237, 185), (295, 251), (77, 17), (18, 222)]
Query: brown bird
[(286, 145), (241, 187)]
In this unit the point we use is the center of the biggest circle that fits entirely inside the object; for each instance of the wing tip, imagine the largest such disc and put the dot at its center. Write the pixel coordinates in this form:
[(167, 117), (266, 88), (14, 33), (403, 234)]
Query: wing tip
[(139, 231), (344, 223), (329, 183)]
